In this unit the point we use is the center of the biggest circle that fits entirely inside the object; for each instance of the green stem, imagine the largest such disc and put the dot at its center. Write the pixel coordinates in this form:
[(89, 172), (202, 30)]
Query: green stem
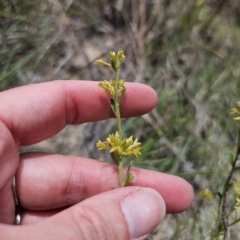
[(120, 174), (117, 105), (119, 124), (126, 176), (222, 206)]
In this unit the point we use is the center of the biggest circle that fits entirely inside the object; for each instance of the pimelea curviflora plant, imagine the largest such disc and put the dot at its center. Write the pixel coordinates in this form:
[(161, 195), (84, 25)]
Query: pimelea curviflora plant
[(118, 146), (227, 216), (227, 193)]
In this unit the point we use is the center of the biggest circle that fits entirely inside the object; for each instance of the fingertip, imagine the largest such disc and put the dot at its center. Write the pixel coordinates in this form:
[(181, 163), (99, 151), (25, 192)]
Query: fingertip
[(143, 210), (182, 198), (185, 193), (144, 95), (176, 191)]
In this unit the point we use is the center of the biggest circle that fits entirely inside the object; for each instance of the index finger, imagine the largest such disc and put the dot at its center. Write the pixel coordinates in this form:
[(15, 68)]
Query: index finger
[(38, 111)]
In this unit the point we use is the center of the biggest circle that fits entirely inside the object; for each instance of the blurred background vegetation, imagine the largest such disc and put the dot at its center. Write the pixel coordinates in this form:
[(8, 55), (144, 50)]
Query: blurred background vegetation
[(187, 50)]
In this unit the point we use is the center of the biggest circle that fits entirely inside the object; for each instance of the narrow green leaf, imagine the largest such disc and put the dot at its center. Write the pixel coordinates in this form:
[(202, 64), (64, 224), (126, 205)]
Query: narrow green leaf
[(112, 103), (230, 185), (113, 64), (114, 158), (130, 177), (219, 195), (231, 158), (234, 222)]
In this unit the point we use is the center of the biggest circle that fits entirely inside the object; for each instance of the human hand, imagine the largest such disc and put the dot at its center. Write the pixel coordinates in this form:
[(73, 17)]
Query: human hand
[(73, 197)]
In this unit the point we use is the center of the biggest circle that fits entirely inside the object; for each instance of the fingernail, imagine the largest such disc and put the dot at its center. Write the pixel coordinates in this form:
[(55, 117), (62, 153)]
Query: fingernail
[(143, 210)]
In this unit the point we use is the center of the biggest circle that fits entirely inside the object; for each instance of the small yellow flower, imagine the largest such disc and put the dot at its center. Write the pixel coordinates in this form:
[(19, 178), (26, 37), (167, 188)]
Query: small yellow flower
[(120, 54), (237, 204), (116, 60), (119, 57), (120, 148), (236, 189), (205, 194), (236, 111), (112, 56), (109, 86), (101, 62)]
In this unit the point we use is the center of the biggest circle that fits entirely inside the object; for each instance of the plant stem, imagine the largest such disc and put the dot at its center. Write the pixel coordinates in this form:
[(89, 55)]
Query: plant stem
[(117, 105), (222, 206), (119, 124), (120, 174)]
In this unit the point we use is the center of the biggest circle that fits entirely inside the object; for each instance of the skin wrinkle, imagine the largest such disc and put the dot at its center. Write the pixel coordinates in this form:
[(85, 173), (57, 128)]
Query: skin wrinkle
[(9, 159), (60, 227), (79, 216), (112, 172), (96, 223), (93, 102), (34, 187), (71, 110), (30, 217), (120, 224), (78, 175), (9, 124), (16, 126), (38, 110), (11, 119), (79, 111), (103, 181), (6, 193), (91, 174), (70, 194), (104, 98)]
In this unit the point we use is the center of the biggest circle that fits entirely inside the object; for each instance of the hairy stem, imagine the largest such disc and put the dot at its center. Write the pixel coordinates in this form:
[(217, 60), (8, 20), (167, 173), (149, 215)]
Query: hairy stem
[(222, 205)]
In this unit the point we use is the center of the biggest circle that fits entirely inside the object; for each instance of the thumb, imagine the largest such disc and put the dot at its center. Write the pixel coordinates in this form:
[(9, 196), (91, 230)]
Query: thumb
[(125, 213)]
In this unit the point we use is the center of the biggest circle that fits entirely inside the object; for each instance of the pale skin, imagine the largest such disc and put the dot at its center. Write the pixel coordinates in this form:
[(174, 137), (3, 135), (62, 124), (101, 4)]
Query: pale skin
[(69, 197)]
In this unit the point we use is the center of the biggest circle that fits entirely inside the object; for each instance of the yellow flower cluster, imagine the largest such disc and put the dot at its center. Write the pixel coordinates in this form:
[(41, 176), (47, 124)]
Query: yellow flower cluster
[(236, 189), (109, 86), (115, 59), (120, 148), (235, 111), (205, 194)]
